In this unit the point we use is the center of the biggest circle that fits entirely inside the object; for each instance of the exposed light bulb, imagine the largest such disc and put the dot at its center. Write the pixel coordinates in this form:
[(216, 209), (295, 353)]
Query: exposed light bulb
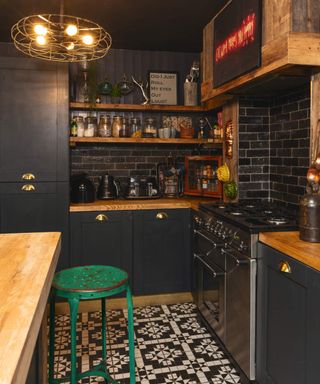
[(41, 40), (313, 175), (70, 46), (71, 30), (40, 30), (87, 39)]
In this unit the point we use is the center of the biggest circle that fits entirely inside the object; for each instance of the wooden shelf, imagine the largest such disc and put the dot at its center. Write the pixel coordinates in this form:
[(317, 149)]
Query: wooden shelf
[(101, 140), (137, 107)]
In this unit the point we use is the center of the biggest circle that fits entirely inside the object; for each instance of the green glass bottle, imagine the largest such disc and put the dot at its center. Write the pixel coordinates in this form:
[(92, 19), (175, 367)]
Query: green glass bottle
[(73, 128)]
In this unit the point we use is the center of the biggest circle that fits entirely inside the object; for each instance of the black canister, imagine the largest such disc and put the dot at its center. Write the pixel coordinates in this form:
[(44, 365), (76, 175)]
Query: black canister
[(309, 221)]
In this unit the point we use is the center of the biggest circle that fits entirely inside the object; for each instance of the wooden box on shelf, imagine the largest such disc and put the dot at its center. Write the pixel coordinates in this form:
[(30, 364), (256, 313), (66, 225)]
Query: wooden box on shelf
[(201, 176)]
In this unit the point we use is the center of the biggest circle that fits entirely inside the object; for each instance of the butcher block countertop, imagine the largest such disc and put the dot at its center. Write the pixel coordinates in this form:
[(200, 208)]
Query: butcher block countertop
[(129, 205), (27, 266), (290, 244)]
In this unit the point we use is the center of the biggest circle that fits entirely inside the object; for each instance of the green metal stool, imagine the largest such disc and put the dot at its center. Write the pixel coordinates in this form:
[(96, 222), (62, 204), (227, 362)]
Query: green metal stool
[(89, 283)]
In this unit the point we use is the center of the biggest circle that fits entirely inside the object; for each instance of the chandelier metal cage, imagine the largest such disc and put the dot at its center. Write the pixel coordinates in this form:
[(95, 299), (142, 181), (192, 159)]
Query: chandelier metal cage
[(60, 38)]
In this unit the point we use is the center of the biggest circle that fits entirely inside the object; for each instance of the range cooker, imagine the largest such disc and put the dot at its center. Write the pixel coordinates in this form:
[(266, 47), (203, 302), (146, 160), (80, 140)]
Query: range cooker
[(225, 242)]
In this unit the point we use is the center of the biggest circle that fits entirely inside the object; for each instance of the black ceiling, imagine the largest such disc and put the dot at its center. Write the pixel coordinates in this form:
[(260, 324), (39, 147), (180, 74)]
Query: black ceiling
[(160, 25)]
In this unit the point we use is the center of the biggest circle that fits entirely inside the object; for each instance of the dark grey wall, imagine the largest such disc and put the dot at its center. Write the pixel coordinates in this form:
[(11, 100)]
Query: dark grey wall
[(274, 141), (138, 63)]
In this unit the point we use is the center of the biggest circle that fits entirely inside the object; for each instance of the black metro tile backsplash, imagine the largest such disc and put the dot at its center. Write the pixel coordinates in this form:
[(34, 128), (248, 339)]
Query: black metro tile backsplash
[(123, 160), (274, 154)]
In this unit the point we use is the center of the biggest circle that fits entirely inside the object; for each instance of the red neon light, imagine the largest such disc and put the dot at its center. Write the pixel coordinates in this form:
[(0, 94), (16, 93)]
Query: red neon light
[(237, 39)]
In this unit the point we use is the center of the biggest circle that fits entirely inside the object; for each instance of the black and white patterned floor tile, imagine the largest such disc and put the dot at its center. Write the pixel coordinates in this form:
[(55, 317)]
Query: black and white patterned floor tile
[(171, 347)]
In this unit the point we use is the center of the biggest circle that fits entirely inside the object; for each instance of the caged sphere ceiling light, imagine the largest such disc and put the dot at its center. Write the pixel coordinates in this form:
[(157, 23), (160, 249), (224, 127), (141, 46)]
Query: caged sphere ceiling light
[(60, 38)]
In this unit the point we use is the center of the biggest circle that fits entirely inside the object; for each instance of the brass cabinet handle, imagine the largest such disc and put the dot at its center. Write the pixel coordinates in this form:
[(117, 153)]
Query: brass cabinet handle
[(28, 187), (284, 267), (161, 216), (28, 176), (101, 217)]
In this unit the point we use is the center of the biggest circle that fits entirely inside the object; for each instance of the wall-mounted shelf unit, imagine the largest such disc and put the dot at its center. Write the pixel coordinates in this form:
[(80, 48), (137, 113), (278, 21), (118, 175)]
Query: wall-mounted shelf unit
[(137, 107), (138, 140)]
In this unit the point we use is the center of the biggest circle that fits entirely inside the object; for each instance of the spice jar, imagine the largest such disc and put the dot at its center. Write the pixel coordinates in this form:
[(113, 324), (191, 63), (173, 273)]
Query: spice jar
[(80, 125), (90, 127), (116, 126), (125, 129), (150, 129), (104, 129)]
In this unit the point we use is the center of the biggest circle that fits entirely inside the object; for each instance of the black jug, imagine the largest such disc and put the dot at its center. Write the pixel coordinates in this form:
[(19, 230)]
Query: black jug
[(108, 188)]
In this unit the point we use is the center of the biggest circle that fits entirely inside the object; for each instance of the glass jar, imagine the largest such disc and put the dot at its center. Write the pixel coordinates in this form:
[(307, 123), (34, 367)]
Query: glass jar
[(125, 129), (134, 126), (90, 127), (80, 125), (150, 129), (116, 126), (104, 129)]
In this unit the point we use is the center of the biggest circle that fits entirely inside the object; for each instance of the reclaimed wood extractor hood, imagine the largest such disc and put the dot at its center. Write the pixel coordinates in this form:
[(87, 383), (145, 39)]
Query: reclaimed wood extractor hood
[(290, 52)]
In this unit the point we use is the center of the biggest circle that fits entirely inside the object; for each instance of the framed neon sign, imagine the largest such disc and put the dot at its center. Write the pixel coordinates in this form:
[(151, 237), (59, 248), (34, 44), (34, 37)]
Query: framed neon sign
[(236, 40)]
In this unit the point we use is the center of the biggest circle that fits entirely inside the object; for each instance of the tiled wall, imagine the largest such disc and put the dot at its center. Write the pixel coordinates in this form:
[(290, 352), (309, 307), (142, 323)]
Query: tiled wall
[(123, 160), (274, 140), (253, 148), (289, 145)]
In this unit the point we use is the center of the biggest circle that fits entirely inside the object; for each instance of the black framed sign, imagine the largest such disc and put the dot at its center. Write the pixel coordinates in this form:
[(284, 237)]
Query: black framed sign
[(236, 40), (163, 87)]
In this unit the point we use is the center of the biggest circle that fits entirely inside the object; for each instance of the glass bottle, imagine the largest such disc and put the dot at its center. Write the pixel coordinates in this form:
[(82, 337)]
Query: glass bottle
[(116, 126), (73, 128), (104, 129), (90, 127), (134, 126), (80, 125), (125, 129)]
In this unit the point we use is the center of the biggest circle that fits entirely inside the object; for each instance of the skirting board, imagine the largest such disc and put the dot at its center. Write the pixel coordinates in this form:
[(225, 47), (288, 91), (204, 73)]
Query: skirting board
[(120, 303)]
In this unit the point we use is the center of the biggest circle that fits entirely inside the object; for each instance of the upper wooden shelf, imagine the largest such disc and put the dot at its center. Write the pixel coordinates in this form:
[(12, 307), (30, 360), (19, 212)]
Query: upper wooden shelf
[(138, 107), (141, 140)]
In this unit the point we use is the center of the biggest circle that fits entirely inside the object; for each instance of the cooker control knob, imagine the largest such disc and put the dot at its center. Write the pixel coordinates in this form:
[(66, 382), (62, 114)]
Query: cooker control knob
[(242, 246)]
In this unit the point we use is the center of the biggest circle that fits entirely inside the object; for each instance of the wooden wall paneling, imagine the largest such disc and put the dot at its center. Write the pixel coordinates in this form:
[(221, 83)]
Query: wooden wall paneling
[(276, 19), (315, 116), (306, 16), (230, 111)]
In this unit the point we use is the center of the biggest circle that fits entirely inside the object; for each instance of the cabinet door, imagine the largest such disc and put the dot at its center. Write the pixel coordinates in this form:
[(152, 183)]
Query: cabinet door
[(161, 251), (33, 120), (284, 309), (102, 238), (40, 207)]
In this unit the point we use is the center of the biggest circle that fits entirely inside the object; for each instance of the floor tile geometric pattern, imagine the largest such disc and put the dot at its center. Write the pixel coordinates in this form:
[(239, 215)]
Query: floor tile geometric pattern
[(170, 347)]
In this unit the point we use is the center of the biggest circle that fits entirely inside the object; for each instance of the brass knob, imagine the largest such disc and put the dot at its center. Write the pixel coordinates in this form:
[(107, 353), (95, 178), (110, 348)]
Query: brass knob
[(101, 217), (284, 267), (162, 215), (28, 176), (28, 187)]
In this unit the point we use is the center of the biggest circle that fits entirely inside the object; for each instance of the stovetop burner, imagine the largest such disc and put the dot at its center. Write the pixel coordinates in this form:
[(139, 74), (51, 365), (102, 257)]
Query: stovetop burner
[(256, 216)]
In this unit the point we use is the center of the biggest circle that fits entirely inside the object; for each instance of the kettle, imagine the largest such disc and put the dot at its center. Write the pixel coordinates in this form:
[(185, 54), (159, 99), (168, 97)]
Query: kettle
[(108, 188), (82, 189)]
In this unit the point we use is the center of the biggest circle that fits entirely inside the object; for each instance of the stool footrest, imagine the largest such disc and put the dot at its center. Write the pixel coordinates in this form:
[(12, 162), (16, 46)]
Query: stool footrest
[(98, 371)]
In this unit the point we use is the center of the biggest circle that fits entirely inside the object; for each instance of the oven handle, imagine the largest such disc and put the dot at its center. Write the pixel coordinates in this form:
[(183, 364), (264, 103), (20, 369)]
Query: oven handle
[(238, 261), (206, 237), (215, 273)]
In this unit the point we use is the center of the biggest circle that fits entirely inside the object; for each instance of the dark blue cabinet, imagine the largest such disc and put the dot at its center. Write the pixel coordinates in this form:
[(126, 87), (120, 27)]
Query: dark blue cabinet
[(161, 251), (288, 326)]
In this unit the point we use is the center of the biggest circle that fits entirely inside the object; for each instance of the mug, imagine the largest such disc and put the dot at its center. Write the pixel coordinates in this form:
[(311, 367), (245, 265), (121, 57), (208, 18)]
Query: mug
[(161, 133), (166, 133)]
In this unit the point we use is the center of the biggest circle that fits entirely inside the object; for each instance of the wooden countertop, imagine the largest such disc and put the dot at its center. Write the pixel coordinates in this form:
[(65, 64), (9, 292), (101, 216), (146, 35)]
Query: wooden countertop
[(290, 244), (27, 266), (128, 205)]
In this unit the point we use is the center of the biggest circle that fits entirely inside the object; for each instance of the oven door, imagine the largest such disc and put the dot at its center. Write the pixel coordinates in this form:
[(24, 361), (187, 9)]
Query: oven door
[(209, 273)]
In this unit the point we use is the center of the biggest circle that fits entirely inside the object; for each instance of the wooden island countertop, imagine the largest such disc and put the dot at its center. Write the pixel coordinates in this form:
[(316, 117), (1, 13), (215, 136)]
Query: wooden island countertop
[(133, 205), (290, 244), (27, 266)]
